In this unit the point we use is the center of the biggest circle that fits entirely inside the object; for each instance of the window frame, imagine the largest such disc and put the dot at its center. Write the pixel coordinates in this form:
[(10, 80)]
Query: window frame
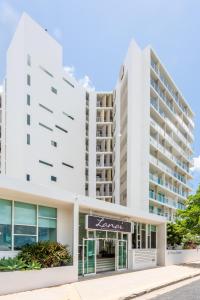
[(38, 216)]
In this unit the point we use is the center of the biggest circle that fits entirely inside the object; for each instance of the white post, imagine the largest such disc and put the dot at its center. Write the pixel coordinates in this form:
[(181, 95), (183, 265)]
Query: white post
[(75, 235), (161, 244)]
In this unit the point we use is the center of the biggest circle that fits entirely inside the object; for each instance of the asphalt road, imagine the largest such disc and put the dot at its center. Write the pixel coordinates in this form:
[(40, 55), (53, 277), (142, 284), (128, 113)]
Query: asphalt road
[(188, 292), (185, 290)]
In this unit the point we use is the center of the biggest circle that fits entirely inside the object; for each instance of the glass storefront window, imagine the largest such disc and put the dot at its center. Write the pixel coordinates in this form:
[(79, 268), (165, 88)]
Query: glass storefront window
[(47, 223), (91, 234), (100, 234), (25, 219), (5, 225), (144, 236), (111, 235)]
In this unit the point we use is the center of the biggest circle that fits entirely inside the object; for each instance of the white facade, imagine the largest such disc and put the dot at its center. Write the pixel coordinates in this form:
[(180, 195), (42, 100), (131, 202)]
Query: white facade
[(55, 117), (125, 149)]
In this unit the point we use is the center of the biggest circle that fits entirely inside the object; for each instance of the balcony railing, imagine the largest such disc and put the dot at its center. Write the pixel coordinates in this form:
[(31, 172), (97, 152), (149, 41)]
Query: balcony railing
[(162, 199), (169, 154), (168, 185), (171, 90)]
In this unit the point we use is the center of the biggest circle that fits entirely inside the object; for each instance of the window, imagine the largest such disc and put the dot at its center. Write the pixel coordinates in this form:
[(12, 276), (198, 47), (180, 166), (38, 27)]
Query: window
[(25, 220), (144, 236), (67, 165), (28, 99), (45, 163), (54, 90), (47, 223), (46, 108), (62, 129), (25, 223), (28, 79), (45, 126), (28, 60), (54, 144), (5, 225), (64, 113), (47, 72), (153, 236), (28, 139), (28, 120), (28, 177), (67, 81), (53, 178)]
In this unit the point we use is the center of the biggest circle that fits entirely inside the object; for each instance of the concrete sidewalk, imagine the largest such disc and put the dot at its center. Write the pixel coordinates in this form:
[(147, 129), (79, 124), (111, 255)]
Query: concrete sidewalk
[(114, 287)]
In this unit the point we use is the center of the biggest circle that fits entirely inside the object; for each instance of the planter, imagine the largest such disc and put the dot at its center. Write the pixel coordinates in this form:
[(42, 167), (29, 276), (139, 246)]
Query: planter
[(19, 281)]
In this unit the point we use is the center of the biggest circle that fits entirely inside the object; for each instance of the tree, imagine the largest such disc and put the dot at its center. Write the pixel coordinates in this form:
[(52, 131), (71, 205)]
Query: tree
[(190, 217)]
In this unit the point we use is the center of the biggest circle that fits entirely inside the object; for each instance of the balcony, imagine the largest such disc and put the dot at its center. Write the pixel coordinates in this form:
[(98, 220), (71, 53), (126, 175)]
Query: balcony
[(162, 199), (171, 91), (168, 185), (169, 170), (170, 107), (169, 155)]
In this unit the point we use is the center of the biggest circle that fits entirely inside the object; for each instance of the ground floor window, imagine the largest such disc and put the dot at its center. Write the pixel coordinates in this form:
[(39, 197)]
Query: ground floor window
[(144, 236), (23, 223)]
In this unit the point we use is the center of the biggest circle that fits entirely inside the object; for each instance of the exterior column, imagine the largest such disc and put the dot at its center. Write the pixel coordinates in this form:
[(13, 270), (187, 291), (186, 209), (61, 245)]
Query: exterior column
[(161, 244), (75, 235)]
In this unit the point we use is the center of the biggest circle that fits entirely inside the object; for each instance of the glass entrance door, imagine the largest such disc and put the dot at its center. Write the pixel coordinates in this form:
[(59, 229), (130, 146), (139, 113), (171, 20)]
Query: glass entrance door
[(89, 256), (122, 254)]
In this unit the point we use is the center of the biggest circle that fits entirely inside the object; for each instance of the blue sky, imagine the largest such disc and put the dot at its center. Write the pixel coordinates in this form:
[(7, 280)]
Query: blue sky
[(95, 36)]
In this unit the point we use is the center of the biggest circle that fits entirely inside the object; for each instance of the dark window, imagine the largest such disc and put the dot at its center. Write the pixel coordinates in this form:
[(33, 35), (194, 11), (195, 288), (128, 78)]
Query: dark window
[(28, 139), (45, 126), (68, 82), (53, 143), (67, 165), (46, 108), (54, 90), (28, 99), (134, 237), (64, 130), (143, 236), (28, 177), (153, 236), (28, 79), (45, 163), (28, 120), (47, 72), (64, 113), (53, 178)]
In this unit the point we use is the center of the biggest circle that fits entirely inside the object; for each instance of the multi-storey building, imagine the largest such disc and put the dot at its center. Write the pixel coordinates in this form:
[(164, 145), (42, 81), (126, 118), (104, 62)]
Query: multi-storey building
[(99, 171)]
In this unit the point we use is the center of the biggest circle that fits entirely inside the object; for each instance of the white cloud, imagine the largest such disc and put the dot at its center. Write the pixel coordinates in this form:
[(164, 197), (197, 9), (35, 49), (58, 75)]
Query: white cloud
[(8, 14), (57, 33), (70, 71), (196, 161), (85, 81)]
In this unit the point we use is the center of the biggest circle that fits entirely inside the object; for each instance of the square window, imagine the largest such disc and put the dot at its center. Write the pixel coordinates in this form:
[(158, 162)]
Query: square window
[(54, 90), (54, 144), (53, 178)]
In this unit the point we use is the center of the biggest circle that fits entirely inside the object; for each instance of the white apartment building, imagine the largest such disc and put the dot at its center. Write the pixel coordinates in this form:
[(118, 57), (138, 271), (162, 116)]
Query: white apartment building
[(99, 171)]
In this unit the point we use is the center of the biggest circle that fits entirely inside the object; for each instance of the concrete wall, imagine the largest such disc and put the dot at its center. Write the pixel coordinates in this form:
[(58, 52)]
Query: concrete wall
[(174, 257), (19, 281), (143, 258)]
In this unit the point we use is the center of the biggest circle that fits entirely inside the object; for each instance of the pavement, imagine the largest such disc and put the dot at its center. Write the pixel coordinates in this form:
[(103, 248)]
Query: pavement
[(122, 286)]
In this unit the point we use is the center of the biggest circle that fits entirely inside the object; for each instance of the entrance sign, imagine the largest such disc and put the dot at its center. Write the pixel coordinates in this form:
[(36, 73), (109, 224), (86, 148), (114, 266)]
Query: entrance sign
[(101, 223)]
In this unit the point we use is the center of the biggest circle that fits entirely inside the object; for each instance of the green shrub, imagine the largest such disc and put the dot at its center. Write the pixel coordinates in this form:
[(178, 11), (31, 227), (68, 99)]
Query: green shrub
[(12, 264), (46, 253)]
